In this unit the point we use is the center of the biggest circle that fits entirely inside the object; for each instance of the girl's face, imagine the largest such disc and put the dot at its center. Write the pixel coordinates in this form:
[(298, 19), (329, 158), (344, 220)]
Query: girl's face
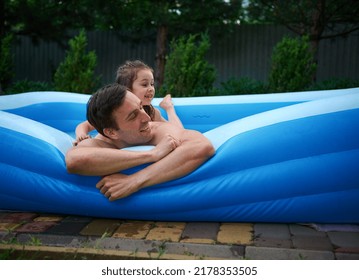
[(143, 87)]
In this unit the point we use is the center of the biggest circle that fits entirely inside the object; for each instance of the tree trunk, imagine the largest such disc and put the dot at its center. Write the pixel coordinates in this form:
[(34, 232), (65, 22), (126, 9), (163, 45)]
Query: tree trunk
[(161, 46), (316, 30)]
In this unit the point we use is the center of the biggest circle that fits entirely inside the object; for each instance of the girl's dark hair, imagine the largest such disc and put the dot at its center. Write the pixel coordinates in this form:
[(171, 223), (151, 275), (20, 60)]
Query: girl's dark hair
[(102, 104), (127, 73)]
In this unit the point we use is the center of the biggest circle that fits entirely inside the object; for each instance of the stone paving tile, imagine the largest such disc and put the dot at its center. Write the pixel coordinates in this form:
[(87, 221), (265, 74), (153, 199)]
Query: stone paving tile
[(8, 227), (18, 217), (178, 225), (273, 242), (35, 227), (235, 233), (351, 250), (67, 228), (77, 219), (164, 234), (273, 231), (101, 227), (133, 229), (346, 256), (200, 233), (272, 235), (49, 218), (262, 253), (205, 250), (312, 243), (54, 240), (344, 239), (300, 230)]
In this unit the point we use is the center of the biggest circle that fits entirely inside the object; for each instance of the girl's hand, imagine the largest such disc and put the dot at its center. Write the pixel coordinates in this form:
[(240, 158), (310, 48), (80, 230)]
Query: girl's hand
[(166, 103), (80, 138)]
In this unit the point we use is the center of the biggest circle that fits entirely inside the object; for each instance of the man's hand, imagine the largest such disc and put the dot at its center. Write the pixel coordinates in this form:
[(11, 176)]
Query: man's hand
[(116, 186), (165, 146)]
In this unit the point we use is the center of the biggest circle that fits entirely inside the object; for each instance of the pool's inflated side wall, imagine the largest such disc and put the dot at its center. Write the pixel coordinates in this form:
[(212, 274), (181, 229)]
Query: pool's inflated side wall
[(295, 159)]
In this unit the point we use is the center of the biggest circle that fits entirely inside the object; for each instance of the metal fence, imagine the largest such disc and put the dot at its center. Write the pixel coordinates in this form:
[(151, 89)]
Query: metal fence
[(244, 53)]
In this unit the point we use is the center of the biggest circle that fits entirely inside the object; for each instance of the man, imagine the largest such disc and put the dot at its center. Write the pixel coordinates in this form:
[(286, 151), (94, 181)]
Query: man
[(118, 116)]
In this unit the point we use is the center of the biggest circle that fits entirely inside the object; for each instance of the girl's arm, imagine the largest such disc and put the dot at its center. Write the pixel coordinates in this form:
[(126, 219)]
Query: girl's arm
[(167, 104), (82, 131)]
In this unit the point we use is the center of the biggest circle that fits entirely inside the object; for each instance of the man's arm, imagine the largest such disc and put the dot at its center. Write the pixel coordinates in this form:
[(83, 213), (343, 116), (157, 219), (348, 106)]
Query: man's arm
[(97, 160), (183, 160)]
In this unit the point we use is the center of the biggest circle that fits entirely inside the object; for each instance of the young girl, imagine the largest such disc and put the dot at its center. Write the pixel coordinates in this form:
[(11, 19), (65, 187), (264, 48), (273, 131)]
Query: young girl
[(138, 78)]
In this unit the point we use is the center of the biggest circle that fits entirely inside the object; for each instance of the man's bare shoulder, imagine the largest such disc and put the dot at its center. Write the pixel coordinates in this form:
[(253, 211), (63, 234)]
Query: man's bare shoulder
[(96, 142)]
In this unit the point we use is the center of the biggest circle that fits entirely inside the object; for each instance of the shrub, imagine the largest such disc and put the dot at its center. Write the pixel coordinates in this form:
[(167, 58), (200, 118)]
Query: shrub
[(242, 86), (76, 72), (187, 72), (27, 86), (292, 66), (6, 62), (335, 83)]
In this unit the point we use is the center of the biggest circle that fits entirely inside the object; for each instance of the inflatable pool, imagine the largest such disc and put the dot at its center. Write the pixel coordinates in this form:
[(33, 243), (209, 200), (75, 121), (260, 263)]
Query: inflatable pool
[(290, 157)]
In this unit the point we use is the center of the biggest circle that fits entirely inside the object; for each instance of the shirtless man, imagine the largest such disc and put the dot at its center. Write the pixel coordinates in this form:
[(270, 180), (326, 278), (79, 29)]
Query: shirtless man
[(118, 116)]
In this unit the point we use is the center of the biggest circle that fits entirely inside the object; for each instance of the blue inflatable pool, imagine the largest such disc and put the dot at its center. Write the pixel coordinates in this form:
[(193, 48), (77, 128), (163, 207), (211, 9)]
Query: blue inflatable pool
[(290, 157)]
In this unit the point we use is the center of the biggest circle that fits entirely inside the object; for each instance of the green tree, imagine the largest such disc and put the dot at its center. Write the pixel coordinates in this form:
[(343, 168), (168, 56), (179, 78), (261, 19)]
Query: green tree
[(188, 73), (292, 65), (49, 20), (167, 19), (76, 72), (6, 62), (319, 19)]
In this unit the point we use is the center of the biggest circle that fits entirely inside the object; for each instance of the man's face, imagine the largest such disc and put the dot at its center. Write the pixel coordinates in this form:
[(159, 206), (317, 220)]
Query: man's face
[(133, 122)]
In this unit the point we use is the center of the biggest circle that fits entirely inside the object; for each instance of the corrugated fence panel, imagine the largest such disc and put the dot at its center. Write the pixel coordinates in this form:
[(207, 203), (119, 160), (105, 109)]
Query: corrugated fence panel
[(245, 53), (112, 52), (339, 57)]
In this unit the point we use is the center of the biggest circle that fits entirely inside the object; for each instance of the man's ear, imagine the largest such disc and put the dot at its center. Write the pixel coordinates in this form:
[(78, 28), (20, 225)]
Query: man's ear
[(110, 133)]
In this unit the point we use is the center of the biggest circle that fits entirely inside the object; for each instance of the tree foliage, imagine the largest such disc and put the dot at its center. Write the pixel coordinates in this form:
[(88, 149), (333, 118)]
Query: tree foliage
[(167, 19), (188, 73), (48, 20), (76, 72), (6, 62), (318, 19), (292, 65)]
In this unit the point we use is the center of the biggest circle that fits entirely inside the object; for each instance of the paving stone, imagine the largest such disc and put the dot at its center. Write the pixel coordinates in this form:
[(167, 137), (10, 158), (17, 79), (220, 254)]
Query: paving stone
[(262, 253), (344, 239), (135, 229), (177, 225), (101, 227), (164, 234), (126, 244), (49, 218), (8, 227), (19, 217), (204, 250), (350, 250), (312, 243), (272, 242), (157, 248), (235, 233), (35, 227), (77, 219), (7, 237), (54, 240), (346, 256), (200, 233), (67, 228), (274, 231), (300, 230)]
